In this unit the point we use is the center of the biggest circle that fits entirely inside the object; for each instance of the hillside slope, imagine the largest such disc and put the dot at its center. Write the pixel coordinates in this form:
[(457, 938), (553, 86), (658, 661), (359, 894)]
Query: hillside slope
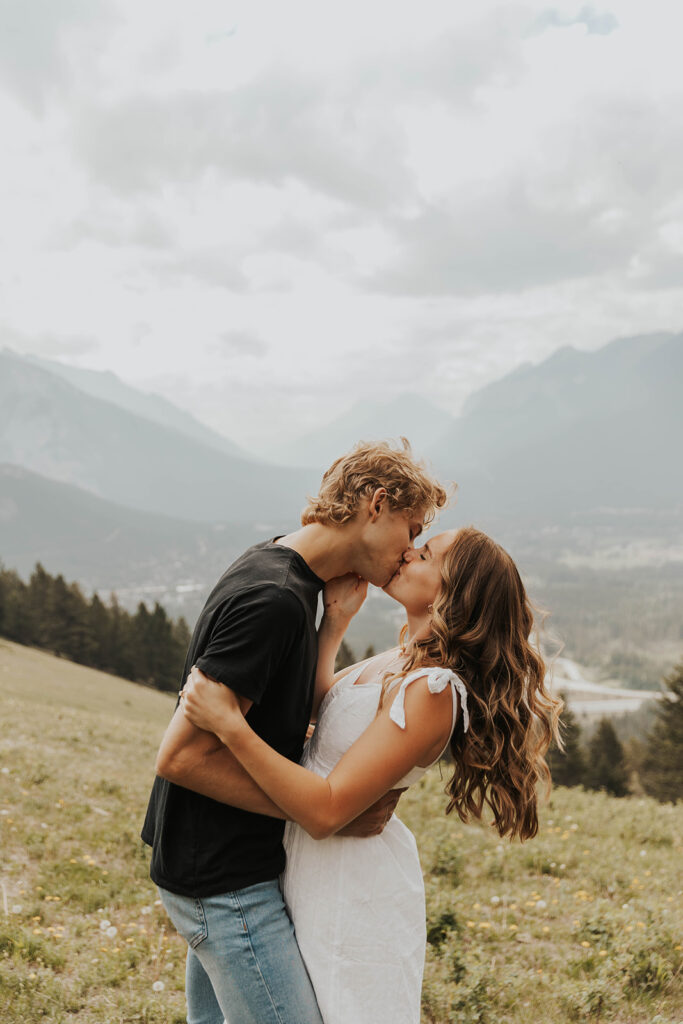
[(579, 924)]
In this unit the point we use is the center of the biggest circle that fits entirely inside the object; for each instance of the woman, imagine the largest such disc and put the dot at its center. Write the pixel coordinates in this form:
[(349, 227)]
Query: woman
[(466, 678)]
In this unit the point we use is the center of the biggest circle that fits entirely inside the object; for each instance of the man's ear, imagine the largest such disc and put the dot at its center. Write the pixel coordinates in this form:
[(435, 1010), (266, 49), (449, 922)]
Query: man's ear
[(377, 503)]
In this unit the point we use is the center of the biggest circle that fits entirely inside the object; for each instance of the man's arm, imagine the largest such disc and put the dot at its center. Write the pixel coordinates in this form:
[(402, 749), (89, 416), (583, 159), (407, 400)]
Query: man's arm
[(342, 598), (197, 760)]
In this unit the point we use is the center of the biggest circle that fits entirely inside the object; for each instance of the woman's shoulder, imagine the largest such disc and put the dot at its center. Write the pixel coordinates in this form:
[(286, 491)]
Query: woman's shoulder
[(422, 691)]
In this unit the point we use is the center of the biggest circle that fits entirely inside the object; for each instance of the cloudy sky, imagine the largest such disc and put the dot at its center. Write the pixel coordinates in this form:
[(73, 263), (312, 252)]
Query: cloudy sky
[(266, 211)]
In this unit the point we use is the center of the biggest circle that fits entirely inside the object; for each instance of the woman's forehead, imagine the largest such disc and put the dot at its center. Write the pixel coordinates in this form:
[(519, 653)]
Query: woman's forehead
[(441, 542)]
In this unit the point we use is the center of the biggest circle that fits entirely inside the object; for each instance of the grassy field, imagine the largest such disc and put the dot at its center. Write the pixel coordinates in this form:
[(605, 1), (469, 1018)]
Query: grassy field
[(581, 924)]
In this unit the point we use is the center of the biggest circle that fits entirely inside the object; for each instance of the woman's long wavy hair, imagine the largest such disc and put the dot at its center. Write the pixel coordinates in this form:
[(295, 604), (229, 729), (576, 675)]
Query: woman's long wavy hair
[(481, 626)]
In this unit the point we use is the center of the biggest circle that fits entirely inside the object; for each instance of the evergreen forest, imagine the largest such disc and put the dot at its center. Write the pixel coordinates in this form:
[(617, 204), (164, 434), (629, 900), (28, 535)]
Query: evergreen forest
[(47, 612)]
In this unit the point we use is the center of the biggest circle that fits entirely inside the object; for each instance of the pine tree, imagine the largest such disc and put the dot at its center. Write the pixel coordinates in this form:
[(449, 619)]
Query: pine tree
[(50, 613), (369, 652), (121, 641), (180, 643), (568, 766), (661, 773), (606, 768), (138, 646), (162, 657), (99, 617), (15, 617), (66, 623)]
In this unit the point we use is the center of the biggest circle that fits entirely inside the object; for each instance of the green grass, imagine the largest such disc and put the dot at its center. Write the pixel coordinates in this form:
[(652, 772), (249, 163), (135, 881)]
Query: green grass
[(576, 925)]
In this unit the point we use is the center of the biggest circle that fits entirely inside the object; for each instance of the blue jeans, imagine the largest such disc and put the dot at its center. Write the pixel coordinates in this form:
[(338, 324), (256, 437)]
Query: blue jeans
[(243, 963)]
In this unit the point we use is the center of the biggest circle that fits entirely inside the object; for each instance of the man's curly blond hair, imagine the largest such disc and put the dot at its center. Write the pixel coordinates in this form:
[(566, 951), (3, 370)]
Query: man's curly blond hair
[(370, 465)]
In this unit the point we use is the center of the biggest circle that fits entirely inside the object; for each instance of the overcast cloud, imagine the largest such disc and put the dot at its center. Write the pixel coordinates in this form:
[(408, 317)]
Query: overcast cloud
[(267, 211)]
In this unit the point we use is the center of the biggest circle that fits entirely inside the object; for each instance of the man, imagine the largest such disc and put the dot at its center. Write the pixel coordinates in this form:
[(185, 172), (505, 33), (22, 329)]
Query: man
[(216, 838)]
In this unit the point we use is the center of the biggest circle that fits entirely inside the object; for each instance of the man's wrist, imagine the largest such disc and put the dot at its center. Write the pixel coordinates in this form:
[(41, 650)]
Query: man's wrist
[(334, 622)]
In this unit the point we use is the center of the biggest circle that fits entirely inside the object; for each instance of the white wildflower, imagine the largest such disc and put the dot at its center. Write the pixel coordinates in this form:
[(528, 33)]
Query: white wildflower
[(158, 986), (111, 932), (104, 925)]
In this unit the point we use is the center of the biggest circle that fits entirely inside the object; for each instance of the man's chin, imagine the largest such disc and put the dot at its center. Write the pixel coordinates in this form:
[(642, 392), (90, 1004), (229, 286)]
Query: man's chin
[(387, 586)]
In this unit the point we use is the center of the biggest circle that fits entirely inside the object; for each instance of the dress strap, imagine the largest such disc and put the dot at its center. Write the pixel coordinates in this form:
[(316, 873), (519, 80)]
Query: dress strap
[(437, 681)]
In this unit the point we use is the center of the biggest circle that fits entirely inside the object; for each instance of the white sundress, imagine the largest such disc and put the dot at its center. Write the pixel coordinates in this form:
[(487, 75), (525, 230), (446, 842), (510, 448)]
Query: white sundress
[(358, 904)]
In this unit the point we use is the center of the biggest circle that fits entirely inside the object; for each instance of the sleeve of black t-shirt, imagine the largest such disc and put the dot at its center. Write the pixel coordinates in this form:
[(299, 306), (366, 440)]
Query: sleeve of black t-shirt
[(250, 638)]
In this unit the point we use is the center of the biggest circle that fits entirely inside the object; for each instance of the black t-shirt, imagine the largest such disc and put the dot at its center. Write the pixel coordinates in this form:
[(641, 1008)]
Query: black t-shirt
[(257, 635)]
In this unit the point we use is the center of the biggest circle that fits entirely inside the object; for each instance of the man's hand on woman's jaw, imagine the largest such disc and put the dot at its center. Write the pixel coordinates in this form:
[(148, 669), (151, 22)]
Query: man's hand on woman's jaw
[(343, 596)]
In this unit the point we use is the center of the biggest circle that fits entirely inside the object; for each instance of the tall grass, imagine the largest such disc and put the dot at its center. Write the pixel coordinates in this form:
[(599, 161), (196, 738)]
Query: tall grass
[(578, 925)]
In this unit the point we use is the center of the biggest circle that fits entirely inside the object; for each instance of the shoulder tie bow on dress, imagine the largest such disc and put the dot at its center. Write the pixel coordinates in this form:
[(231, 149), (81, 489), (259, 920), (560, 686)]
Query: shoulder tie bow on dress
[(437, 681)]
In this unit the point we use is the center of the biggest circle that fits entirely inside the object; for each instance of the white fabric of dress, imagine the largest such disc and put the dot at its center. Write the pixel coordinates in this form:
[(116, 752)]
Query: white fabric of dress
[(358, 904)]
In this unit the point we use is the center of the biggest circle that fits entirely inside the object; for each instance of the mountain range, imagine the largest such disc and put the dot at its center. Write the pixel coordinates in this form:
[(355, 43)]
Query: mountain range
[(113, 487), (107, 386), (106, 546), (579, 433), (408, 415), (56, 429)]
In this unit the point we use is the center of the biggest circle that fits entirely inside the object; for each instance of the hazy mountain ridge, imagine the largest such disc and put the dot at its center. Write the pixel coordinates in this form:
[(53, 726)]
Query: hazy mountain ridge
[(408, 415), (567, 463), (107, 546), (110, 388), (53, 428), (578, 432), (573, 434)]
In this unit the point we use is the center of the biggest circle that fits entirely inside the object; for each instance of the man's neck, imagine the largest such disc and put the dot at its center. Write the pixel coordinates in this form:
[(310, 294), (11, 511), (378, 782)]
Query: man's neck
[(327, 550)]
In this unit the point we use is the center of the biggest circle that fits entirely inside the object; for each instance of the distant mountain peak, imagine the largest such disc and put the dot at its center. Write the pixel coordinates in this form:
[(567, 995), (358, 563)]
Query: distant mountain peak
[(109, 387), (579, 430), (406, 415)]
